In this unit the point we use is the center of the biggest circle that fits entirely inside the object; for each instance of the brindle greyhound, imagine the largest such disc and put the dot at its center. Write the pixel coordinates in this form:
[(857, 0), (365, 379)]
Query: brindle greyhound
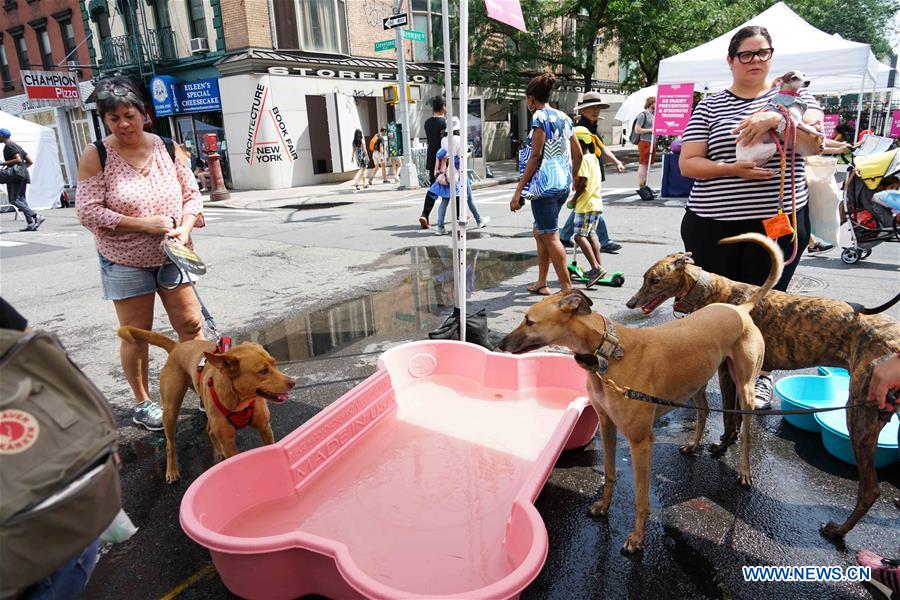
[(800, 332), (642, 359)]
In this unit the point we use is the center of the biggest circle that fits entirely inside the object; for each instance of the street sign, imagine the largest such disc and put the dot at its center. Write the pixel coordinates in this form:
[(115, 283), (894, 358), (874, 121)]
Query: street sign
[(385, 45), (416, 36), (395, 21)]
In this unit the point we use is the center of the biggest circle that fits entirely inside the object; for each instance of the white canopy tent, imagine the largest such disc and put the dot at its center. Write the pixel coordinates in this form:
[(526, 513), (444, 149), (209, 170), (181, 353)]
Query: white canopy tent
[(40, 143), (831, 62)]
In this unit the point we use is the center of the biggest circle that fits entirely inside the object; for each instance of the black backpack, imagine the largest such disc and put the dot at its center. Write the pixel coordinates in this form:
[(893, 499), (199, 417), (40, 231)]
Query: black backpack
[(101, 150)]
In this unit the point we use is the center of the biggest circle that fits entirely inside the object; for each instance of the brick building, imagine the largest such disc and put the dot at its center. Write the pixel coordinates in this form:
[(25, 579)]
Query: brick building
[(300, 76), (47, 36)]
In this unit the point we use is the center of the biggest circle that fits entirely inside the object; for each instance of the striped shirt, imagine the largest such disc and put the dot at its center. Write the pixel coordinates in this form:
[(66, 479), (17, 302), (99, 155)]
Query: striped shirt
[(733, 198)]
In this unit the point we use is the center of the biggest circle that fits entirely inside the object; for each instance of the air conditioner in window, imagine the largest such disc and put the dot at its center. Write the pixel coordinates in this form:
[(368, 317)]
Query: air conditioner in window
[(199, 45), (73, 64)]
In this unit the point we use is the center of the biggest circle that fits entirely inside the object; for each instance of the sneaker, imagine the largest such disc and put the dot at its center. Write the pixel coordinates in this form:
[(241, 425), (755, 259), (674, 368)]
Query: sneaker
[(595, 275), (484, 221), (764, 386), (819, 247), (148, 415), (568, 243), (885, 572), (38, 221), (440, 231), (611, 248), (423, 222)]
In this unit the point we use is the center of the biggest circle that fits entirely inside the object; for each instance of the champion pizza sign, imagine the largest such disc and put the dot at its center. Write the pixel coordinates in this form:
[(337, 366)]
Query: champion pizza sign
[(52, 88)]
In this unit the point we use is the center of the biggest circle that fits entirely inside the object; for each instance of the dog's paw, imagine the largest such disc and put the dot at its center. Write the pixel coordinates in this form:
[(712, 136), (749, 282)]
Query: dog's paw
[(600, 508), (832, 531), (633, 544), (172, 475), (691, 449), (717, 450), (746, 480)]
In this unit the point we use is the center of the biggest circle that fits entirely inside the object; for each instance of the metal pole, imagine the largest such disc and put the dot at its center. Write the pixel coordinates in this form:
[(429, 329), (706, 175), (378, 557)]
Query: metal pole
[(862, 89), (463, 161), (451, 146), (872, 105), (409, 179)]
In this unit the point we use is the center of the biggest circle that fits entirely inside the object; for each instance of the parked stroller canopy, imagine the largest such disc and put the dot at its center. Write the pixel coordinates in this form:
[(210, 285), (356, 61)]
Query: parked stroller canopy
[(874, 167)]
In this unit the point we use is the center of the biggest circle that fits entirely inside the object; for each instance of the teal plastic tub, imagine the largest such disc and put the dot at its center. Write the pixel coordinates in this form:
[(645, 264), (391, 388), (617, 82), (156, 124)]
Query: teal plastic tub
[(836, 439), (811, 391)]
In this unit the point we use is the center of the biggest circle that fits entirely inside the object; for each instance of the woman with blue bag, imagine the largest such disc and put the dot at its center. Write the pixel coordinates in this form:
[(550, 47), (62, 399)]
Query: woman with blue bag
[(548, 164)]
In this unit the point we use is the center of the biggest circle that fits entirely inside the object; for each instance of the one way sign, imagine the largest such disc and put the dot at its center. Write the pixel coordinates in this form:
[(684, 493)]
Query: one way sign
[(393, 21)]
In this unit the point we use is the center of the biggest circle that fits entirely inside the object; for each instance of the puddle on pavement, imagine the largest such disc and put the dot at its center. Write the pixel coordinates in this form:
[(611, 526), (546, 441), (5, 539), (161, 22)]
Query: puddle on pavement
[(409, 307)]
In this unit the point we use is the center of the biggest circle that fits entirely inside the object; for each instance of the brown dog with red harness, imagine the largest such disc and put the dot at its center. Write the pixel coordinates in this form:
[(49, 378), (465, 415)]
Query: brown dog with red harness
[(228, 381), (800, 332)]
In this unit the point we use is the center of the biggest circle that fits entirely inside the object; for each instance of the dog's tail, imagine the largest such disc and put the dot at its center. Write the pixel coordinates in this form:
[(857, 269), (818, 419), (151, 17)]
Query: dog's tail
[(133, 334), (859, 308), (774, 254)]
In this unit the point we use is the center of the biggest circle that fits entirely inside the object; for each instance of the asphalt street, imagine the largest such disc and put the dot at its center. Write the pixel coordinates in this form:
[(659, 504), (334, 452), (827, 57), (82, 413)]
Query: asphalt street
[(326, 285)]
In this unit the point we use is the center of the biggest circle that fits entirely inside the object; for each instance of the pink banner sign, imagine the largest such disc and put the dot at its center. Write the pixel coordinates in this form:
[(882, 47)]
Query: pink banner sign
[(830, 123), (895, 124), (506, 11), (673, 108)]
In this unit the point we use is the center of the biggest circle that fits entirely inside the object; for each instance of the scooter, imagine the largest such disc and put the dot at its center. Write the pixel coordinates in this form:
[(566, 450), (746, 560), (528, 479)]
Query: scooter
[(576, 273)]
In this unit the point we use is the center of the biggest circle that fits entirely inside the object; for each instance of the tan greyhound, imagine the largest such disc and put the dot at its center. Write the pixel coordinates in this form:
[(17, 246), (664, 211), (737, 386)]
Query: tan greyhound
[(672, 361), (228, 383)]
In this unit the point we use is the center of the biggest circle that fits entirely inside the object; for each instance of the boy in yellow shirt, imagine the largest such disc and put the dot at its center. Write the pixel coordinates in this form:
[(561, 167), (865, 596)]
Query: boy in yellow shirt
[(588, 204)]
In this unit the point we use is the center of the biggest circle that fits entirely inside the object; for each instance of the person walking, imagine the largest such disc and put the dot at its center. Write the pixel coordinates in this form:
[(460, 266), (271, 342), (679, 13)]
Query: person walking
[(546, 179), (133, 201), (589, 117), (14, 154), (378, 146), (732, 197), (441, 186), (644, 126), (360, 158), (435, 126)]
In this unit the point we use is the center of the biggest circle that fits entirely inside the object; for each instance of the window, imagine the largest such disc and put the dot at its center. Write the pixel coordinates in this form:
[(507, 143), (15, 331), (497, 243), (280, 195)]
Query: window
[(101, 18), (322, 26), (4, 68), (21, 51), (44, 46), (68, 37), (197, 16), (427, 19)]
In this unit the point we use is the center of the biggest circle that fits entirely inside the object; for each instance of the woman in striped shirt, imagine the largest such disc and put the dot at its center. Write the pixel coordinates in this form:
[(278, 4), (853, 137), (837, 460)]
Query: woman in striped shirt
[(732, 197)]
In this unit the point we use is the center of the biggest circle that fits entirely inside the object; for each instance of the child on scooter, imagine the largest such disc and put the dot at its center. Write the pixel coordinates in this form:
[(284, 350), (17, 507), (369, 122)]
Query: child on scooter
[(588, 205)]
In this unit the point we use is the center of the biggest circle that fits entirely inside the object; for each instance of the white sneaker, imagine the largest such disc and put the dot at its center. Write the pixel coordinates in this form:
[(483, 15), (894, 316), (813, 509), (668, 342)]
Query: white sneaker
[(484, 221), (764, 387), (440, 231)]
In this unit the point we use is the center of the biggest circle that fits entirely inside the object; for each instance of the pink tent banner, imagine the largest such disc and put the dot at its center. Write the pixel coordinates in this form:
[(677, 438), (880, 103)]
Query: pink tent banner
[(506, 11), (673, 108), (830, 123), (895, 124)]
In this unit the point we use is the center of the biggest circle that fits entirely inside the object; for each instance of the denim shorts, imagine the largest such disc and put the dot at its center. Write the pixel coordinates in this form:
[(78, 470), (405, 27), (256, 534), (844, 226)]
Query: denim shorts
[(586, 223), (120, 282), (545, 210)]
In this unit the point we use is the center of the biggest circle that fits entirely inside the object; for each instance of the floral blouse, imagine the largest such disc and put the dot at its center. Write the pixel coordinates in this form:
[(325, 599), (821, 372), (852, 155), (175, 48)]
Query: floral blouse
[(119, 190)]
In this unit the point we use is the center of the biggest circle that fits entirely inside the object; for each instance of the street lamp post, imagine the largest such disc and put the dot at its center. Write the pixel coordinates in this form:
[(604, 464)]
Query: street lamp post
[(409, 178)]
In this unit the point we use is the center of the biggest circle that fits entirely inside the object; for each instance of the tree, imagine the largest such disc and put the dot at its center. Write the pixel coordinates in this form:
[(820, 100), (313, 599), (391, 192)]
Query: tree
[(562, 34)]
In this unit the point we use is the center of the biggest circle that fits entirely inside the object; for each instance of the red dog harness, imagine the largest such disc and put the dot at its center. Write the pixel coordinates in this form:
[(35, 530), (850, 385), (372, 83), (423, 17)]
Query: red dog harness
[(239, 418)]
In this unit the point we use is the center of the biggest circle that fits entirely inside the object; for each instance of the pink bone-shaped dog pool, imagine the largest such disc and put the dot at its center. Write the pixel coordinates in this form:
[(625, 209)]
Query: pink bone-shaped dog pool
[(419, 482)]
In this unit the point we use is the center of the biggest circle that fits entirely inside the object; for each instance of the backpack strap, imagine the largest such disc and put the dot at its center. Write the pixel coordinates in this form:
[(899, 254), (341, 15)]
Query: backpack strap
[(101, 150), (170, 146)]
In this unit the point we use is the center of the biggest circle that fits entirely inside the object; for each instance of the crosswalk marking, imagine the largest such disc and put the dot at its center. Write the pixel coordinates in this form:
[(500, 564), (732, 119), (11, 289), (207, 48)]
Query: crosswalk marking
[(504, 195), (9, 243)]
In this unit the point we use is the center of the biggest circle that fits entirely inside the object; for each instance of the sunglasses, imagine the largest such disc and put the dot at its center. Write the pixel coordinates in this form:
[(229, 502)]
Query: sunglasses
[(763, 54), (118, 91)]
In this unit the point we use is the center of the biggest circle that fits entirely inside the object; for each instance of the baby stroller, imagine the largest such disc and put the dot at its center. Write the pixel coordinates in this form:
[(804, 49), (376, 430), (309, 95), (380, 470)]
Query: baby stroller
[(871, 223)]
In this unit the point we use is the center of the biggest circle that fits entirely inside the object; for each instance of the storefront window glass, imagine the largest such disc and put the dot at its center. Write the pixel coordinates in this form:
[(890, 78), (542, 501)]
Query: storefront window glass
[(4, 68), (47, 118)]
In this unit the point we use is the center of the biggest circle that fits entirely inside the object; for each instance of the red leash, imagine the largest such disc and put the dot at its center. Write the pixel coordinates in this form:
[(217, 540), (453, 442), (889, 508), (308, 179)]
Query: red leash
[(239, 418)]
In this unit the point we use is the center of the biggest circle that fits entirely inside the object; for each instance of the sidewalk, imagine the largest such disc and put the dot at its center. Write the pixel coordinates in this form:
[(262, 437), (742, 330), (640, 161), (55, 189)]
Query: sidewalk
[(504, 171)]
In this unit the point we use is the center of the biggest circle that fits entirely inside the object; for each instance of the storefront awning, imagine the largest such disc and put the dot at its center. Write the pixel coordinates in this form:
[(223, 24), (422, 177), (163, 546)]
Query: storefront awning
[(258, 59)]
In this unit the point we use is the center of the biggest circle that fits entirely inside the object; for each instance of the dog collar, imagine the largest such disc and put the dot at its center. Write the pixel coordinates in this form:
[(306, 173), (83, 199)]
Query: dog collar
[(238, 419), (692, 301), (789, 93), (609, 349)]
